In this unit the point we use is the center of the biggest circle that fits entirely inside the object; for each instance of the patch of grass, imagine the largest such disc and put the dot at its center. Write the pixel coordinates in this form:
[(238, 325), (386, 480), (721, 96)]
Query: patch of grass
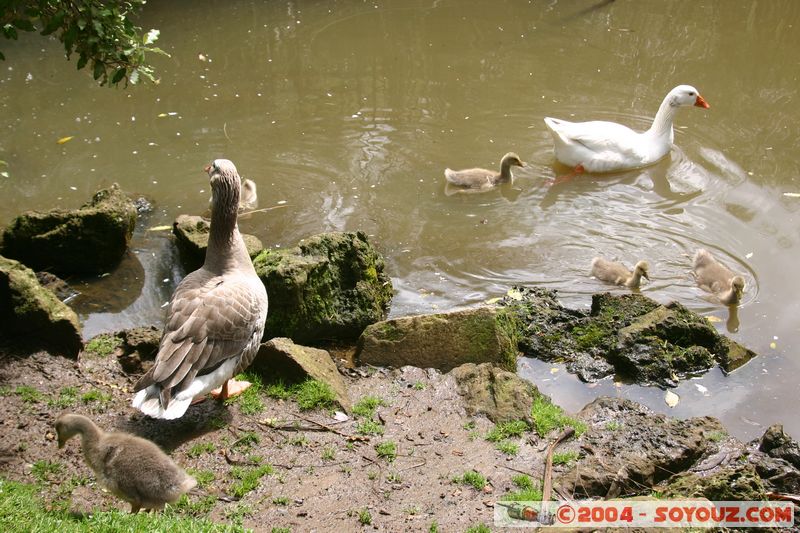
[(364, 517), (393, 477), (565, 458), (369, 427), (237, 514), (480, 528), (613, 425), (474, 434), (247, 478), (42, 470), (199, 508), (522, 481), (299, 440), (5, 390), (67, 397), (507, 447), (247, 440), (98, 399), (281, 530), (249, 401), (387, 450), (203, 477), (313, 394), (366, 406), (513, 428), (278, 390), (473, 478), (280, 500), (547, 416), (329, 453), (418, 386), (434, 527), (29, 394), (716, 436), (525, 494), (22, 510), (200, 448), (469, 425), (372, 475), (103, 345), (413, 510)]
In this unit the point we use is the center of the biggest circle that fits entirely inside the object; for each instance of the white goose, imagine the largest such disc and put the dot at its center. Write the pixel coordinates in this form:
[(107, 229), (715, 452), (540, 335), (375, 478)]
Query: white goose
[(216, 315), (601, 146)]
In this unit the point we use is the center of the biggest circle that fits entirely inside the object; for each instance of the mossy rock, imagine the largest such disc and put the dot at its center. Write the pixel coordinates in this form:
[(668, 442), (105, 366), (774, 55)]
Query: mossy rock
[(331, 286), (444, 340), (34, 314), (501, 395), (89, 240), (191, 235), (738, 482)]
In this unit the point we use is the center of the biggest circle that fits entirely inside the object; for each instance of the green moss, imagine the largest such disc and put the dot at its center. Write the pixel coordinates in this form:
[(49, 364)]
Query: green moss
[(99, 400), (313, 394), (472, 478), (280, 500), (512, 428), (565, 458), (479, 528), (201, 448), (103, 345), (367, 405), (507, 447), (525, 495), (67, 397), (387, 450), (589, 335), (369, 427), (388, 331), (364, 517), (249, 401), (522, 481), (247, 478), (512, 329), (29, 394)]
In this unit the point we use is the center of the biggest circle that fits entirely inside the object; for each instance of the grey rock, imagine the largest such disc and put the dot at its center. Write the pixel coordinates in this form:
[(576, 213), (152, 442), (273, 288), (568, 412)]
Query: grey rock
[(501, 395), (191, 235)]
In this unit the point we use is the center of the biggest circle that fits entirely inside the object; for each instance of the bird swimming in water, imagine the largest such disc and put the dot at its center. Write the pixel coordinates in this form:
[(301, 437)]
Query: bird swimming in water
[(716, 278), (618, 274)]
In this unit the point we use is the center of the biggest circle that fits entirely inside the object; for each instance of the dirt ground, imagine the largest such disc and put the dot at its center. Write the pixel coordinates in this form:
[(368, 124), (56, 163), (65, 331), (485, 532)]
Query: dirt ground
[(324, 475)]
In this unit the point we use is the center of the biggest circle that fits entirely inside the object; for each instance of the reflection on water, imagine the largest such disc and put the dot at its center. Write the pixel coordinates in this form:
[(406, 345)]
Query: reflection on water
[(346, 114)]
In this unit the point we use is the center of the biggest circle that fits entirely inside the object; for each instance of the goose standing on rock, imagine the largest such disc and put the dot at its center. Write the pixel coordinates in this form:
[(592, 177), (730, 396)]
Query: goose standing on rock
[(601, 146), (617, 274), (130, 467), (716, 278), (481, 179), (215, 318)]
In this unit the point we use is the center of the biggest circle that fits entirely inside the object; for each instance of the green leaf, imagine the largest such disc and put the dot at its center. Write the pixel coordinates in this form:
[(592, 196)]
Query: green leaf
[(134, 77), (54, 23), (99, 69), (69, 38), (83, 60), (151, 37), (81, 23), (10, 31), (118, 75), (2, 57), (24, 25)]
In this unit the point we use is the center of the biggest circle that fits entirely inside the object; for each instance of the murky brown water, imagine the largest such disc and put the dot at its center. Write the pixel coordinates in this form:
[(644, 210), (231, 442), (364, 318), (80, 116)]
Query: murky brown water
[(346, 113)]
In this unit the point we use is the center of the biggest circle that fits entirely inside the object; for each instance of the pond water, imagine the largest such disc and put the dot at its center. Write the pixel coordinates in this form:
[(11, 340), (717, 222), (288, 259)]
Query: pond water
[(346, 113)]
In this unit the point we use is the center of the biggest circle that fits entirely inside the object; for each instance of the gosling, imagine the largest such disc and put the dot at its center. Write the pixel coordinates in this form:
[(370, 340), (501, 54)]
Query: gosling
[(482, 179), (716, 278), (617, 274), (130, 467)]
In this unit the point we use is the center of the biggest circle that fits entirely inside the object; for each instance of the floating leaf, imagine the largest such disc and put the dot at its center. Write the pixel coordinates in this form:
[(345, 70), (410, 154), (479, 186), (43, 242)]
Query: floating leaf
[(160, 228), (703, 390), (749, 255), (671, 398), (712, 318), (792, 194), (162, 115), (491, 301), (773, 345), (514, 294), (63, 140), (554, 370)]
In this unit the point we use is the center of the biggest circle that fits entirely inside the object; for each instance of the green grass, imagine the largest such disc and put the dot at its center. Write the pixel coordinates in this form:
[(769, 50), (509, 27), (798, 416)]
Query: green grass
[(22, 510), (471, 478), (278, 390), (613, 425), (98, 399), (366, 406), (281, 530), (434, 527), (565, 458), (418, 386), (67, 397), (393, 477), (103, 345), (514, 428), (29, 394), (313, 394), (199, 508), (247, 440), (280, 500), (237, 514), (547, 416), (522, 481), (201, 448), (364, 517), (203, 477), (387, 450), (249, 401), (369, 427), (480, 528), (716, 436), (247, 478), (5, 390), (507, 447), (329, 453), (42, 470)]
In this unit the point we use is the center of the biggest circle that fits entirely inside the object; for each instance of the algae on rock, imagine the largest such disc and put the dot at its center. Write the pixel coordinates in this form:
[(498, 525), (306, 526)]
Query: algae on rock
[(331, 286), (191, 234), (35, 314), (89, 240)]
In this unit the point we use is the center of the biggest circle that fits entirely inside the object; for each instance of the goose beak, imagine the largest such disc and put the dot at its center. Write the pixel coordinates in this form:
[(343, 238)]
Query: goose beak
[(701, 102), (645, 276), (207, 168)]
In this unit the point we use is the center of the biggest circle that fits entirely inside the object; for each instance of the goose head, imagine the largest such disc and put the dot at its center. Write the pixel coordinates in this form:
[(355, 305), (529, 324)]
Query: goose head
[(67, 426), (737, 285), (512, 159), (225, 181), (641, 269), (685, 96)]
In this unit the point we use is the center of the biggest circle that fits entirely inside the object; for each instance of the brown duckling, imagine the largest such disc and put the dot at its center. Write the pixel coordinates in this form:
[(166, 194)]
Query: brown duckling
[(482, 179), (617, 274), (130, 467), (249, 195), (716, 278)]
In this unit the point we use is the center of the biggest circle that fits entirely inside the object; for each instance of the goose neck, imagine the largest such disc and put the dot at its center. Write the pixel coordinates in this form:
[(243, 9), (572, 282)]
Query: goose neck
[(505, 170), (226, 248), (662, 123)]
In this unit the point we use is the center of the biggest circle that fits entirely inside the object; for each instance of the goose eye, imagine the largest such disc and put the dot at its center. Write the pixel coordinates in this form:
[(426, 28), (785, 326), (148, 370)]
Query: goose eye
[(691, 93)]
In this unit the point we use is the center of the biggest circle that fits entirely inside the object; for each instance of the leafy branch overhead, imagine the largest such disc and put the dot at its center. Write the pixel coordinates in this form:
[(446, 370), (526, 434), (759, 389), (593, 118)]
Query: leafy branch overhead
[(99, 32)]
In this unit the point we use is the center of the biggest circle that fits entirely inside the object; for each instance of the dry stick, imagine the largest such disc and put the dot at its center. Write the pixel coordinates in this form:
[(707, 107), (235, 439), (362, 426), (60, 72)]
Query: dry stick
[(547, 485)]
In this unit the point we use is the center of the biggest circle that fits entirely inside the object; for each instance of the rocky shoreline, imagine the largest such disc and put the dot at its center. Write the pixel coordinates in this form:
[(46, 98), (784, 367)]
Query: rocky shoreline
[(424, 419)]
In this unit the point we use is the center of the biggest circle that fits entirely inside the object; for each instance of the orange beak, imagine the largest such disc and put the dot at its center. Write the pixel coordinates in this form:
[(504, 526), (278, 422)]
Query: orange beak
[(207, 168), (701, 102)]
